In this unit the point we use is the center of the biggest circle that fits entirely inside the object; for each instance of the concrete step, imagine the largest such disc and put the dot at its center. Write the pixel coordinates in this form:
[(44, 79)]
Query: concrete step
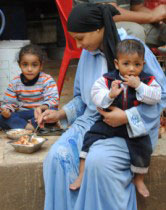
[(21, 180), (156, 180)]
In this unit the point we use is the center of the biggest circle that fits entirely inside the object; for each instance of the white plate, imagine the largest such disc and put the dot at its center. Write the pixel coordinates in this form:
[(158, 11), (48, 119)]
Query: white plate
[(17, 133)]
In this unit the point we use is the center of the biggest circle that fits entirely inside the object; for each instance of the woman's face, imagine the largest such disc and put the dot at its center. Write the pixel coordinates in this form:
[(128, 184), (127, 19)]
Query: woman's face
[(89, 40)]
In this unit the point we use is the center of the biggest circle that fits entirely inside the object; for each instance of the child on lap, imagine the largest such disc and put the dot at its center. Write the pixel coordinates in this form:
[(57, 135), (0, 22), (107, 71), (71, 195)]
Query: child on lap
[(124, 89), (30, 93)]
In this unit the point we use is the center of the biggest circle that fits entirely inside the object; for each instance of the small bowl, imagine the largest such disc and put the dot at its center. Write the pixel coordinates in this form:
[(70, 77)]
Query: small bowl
[(28, 149), (17, 133)]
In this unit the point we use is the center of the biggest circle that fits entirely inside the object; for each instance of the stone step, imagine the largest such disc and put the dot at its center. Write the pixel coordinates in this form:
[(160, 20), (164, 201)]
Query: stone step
[(156, 180), (21, 180)]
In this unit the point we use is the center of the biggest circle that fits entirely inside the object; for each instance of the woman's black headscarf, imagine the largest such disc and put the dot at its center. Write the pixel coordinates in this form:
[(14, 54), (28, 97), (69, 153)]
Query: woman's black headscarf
[(90, 17)]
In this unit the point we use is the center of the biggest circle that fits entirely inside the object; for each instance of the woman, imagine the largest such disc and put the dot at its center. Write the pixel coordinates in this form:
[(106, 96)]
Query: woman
[(107, 182)]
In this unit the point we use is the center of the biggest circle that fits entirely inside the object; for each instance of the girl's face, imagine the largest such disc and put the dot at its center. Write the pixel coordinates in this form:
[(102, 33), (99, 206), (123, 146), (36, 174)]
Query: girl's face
[(30, 66), (89, 40), (129, 64)]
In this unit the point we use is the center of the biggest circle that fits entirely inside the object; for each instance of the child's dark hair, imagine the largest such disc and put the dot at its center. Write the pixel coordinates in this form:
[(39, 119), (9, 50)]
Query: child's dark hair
[(130, 46), (31, 49)]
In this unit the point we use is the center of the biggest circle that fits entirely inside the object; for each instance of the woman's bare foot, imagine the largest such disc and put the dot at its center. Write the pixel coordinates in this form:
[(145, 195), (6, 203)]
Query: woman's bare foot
[(77, 183), (141, 187)]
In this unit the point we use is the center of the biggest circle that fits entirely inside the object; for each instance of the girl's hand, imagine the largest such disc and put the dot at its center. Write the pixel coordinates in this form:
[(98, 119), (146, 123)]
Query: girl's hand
[(6, 113), (50, 116), (116, 117), (115, 89), (132, 81)]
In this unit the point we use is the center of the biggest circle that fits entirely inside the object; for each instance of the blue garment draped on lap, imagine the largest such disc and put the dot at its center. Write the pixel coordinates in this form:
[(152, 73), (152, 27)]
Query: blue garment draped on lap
[(107, 182)]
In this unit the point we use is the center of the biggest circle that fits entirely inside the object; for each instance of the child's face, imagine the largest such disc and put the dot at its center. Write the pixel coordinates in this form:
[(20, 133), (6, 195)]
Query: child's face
[(129, 64), (30, 66)]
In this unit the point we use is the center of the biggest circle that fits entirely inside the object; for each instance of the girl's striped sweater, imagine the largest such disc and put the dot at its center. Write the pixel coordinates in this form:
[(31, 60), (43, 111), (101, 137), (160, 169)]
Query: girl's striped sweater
[(19, 96)]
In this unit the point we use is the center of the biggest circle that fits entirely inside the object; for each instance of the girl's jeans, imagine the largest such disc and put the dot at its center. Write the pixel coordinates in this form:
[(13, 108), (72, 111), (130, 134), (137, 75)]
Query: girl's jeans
[(18, 119)]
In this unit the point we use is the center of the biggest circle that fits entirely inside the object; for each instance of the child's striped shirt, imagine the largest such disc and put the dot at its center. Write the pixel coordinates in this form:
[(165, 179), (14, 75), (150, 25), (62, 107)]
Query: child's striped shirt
[(22, 97)]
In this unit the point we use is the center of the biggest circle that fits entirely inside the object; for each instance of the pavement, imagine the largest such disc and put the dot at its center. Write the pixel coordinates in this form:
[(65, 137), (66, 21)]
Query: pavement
[(21, 179)]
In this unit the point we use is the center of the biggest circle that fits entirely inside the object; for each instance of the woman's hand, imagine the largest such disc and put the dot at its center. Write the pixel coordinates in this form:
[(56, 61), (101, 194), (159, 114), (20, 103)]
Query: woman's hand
[(51, 116), (116, 117), (38, 111), (6, 113)]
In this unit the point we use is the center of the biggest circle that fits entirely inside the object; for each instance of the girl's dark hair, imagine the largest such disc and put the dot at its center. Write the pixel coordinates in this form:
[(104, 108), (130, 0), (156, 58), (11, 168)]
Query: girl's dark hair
[(130, 46), (31, 49)]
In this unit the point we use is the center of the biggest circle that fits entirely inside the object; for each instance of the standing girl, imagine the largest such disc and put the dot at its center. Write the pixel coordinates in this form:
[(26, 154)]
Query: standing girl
[(30, 93)]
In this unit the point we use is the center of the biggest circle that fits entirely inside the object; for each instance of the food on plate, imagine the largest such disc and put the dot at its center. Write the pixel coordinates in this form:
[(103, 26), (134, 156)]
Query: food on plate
[(20, 132), (24, 140)]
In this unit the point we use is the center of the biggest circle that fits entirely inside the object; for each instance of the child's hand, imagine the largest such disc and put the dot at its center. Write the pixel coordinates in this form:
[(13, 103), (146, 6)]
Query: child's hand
[(115, 89), (132, 81), (6, 113)]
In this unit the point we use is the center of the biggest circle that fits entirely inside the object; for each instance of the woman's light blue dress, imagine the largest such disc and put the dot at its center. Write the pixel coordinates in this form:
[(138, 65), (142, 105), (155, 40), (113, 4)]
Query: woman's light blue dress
[(107, 182)]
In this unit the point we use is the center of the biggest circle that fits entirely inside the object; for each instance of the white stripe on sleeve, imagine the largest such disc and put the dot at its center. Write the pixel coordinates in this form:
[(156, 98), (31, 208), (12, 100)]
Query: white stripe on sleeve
[(149, 94), (100, 94)]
